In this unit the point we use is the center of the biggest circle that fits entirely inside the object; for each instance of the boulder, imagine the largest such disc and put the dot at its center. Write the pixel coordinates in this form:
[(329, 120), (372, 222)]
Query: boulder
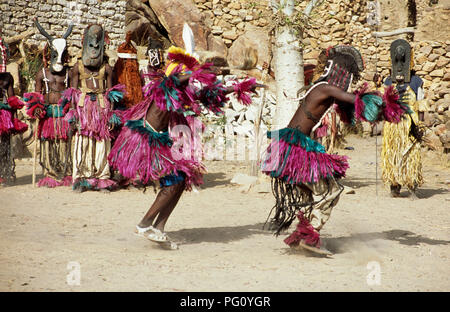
[(216, 44), (253, 38), (216, 58), (174, 13)]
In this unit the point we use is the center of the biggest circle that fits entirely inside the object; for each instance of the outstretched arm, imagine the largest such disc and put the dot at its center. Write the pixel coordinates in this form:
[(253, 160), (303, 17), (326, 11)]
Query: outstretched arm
[(341, 96)]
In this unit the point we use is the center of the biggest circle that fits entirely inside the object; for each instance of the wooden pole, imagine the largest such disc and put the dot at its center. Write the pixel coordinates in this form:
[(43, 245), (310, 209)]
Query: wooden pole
[(34, 152), (400, 31)]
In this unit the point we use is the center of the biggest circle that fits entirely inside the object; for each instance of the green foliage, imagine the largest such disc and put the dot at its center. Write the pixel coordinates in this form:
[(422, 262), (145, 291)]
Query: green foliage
[(298, 21), (252, 5), (29, 69)]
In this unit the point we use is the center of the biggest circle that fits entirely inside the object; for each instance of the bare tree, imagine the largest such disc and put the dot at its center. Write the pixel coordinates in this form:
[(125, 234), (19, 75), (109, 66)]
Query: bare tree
[(288, 57)]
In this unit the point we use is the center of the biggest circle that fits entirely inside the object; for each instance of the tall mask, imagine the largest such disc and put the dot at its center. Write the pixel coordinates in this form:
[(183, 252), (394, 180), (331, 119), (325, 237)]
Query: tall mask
[(344, 64), (58, 47), (93, 46), (401, 61)]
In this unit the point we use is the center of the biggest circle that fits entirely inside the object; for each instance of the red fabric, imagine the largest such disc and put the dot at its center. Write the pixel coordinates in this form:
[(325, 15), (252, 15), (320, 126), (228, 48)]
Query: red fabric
[(19, 126), (15, 103), (244, 89), (35, 100), (359, 104)]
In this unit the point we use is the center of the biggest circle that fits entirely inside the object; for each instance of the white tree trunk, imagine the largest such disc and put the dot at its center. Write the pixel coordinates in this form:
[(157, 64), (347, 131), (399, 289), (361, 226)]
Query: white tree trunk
[(288, 69)]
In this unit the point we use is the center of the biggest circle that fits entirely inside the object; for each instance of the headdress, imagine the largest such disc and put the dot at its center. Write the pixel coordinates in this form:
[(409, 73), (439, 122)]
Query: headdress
[(57, 48), (344, 64)]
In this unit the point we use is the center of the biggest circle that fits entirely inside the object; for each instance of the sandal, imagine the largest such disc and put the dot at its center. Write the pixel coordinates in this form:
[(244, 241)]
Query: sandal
[(158, 236), (139, 231)]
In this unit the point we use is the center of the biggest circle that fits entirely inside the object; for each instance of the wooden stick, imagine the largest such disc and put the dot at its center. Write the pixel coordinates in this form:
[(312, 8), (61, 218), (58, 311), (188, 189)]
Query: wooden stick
[(34, 152), (30, 32), (394, 32)]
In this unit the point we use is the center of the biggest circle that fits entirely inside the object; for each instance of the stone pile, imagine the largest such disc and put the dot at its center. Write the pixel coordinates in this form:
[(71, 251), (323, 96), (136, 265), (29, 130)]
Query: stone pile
[(242, 118)]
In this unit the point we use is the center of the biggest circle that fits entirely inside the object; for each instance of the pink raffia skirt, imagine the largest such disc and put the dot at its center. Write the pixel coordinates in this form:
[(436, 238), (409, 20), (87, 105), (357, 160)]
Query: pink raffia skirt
[(141, 151)]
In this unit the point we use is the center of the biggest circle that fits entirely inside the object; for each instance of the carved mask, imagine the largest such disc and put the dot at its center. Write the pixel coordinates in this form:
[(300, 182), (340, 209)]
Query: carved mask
[(401, 61), (93, 46), (58, 48)]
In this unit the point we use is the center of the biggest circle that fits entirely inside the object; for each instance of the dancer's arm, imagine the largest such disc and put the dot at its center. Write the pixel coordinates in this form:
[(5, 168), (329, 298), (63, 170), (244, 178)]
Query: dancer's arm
[(341, 96)]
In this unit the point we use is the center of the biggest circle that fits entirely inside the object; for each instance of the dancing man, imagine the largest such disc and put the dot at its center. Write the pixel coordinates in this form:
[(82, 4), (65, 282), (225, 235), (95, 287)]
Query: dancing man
[(305, 179), (151, 142), (48, 105), (401, 159)]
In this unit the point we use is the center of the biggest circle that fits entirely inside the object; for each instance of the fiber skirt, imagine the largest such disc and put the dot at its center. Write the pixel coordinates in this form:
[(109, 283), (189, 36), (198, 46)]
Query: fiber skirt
[(295, 158), (141, 151)]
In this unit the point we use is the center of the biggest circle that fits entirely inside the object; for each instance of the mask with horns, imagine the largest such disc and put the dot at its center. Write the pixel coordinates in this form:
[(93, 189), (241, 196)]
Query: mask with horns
[(58, 47)]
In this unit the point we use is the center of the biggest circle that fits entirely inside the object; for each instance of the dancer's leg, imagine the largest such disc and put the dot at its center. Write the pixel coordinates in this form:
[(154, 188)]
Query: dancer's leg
[(165, 201), (163, 216)]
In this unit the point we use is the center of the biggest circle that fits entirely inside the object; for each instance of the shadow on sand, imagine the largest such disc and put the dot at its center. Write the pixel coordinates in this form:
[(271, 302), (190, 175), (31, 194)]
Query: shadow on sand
[(224, 234), (338, 244), (335, 244), (215, 179)]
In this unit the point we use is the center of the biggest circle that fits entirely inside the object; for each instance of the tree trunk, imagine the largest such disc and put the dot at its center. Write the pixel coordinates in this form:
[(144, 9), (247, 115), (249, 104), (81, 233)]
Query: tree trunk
[(289, 76)]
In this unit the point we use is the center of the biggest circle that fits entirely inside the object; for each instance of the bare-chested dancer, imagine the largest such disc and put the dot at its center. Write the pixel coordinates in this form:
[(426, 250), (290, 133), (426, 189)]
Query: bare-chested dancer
[(305, 178), (145, 148), (47, 104)]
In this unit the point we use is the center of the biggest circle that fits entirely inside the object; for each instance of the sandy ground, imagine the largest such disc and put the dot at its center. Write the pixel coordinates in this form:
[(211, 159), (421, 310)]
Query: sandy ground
[(379, 243)]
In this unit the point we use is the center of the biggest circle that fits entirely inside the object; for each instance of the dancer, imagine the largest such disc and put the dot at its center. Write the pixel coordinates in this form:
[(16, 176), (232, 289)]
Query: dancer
[(305, 179), (151, 142), (401, 159), (9, 126), (92, 113), (47, 104)]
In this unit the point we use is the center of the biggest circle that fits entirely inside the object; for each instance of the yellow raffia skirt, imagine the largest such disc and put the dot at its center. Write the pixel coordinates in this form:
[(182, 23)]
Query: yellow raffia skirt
[(401, 164)]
